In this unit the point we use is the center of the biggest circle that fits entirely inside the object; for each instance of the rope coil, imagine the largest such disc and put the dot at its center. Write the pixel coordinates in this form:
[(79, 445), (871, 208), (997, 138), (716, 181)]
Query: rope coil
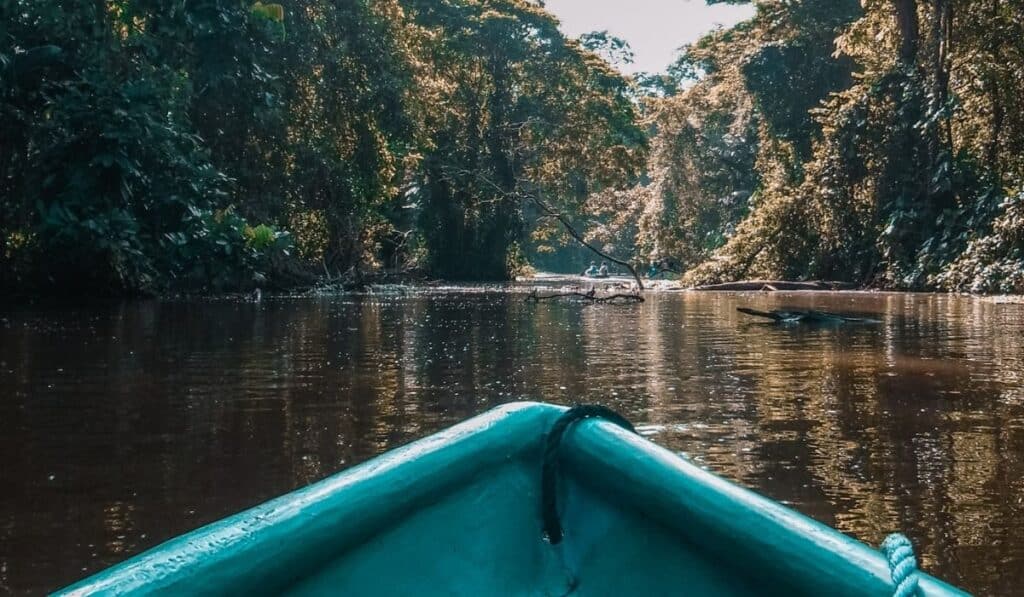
[(899, 552), (549, 470)]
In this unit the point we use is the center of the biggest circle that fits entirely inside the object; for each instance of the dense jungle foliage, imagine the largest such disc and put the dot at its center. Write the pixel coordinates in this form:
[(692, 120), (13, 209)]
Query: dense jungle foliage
[(154, 145), (210, 145), (871, 141)]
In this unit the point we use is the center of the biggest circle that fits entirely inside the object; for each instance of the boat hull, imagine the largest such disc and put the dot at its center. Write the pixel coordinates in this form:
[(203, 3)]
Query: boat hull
[(459, 513)]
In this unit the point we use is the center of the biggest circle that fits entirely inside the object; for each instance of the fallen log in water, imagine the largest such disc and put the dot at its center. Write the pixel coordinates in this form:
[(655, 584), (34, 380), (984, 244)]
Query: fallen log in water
[(804, 316), (590, 296), (771, 285)]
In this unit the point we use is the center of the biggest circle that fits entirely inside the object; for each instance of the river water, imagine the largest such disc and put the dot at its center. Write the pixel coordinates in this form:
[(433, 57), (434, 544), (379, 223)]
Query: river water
[(122, 426)]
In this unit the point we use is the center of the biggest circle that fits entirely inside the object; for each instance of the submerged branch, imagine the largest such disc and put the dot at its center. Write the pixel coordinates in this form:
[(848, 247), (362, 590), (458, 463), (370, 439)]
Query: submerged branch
[(587, 296), (805, 316)]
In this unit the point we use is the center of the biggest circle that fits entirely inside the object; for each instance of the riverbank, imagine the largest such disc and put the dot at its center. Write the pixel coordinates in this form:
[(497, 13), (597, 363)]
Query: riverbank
[(399, 282)]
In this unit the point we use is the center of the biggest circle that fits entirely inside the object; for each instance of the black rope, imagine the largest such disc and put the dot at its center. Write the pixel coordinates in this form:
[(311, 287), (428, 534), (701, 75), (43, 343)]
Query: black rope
[(549, 471)]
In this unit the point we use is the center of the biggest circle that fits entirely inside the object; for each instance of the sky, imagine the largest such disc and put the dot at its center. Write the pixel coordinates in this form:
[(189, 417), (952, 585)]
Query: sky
[(654, 28)]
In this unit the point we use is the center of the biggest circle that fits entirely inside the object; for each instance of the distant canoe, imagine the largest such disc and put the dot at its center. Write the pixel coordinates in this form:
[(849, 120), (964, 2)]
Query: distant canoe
[(461, 513)]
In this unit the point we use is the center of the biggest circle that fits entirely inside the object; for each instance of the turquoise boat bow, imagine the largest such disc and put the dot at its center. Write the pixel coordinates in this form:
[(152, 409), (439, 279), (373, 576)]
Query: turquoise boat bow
[(461, 513)]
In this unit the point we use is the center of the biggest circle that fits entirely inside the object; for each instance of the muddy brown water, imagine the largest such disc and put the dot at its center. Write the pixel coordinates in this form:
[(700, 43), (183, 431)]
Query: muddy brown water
[(122, 426)]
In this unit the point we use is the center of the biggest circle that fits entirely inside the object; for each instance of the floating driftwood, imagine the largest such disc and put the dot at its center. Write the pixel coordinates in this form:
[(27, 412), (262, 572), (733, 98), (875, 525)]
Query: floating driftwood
[(771, 285), (804, 316), (590, 296)]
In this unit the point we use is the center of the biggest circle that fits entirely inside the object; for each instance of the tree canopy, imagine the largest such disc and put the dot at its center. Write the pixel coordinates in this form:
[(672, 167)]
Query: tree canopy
[(198, 145), (875, 142), (207, 144)]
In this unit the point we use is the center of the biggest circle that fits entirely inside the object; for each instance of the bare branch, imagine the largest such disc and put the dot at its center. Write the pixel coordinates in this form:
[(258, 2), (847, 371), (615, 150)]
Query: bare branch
[(552, 213), (572, 232)]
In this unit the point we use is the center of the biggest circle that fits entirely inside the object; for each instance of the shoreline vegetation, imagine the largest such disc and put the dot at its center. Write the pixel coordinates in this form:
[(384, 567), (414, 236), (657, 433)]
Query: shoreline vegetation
[(537, 288), (155, 149)]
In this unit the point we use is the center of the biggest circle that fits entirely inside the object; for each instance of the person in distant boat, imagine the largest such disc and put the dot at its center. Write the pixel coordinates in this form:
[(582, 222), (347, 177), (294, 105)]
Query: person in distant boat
[(592, 270), (603, 271)]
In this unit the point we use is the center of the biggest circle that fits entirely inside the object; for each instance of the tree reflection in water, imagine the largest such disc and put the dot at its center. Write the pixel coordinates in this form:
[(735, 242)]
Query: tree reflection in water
[(124, 426)]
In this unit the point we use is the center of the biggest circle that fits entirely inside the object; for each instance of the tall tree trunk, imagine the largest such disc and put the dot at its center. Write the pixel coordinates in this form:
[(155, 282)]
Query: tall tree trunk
[(502, 229), (998, 118), (995, 93), (906, 20), (941, 38), (946, 65), (941, 31)]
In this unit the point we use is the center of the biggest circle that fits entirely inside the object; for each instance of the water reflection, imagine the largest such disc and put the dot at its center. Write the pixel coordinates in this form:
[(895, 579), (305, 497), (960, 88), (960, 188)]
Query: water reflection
[(121, 427)]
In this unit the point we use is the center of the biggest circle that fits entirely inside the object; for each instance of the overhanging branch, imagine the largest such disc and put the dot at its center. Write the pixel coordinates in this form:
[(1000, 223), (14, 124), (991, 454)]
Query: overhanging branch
[(552, 213), (579, 238)]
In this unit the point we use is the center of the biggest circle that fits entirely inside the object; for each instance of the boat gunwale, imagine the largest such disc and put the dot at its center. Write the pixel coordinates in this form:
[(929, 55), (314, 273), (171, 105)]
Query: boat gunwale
[(344, 509), (376, 494), (633, 472)]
